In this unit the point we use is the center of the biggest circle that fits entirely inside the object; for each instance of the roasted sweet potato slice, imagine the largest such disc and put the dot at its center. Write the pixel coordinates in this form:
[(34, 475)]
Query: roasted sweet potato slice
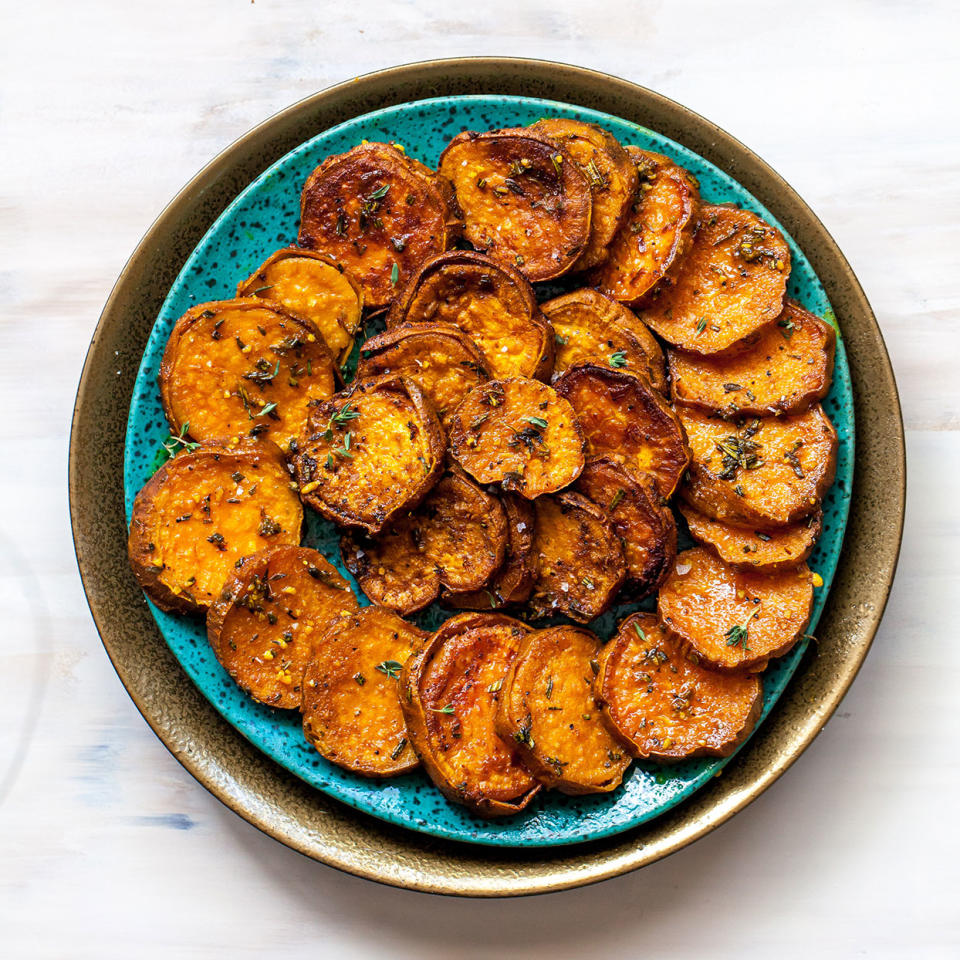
[(656, 233), (448, 692), (441, 360), (268, 620), (313, 287), (547, 708), (734, 619), (769, 471), (523, 198), (623, 417), (777, 548), (663, 705), (351, 711), (784, 368), (490, 302), (380, 214), (373, 453), (612, 175), (242, 367), (518, 433), (588, 325), (578, 558), (639, 516), (456, 538), (728, 286), (204, 510)]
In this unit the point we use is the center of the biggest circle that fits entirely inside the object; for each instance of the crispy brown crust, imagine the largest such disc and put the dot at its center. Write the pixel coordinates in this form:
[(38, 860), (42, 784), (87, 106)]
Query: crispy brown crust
[(524, 199), (164, 512)]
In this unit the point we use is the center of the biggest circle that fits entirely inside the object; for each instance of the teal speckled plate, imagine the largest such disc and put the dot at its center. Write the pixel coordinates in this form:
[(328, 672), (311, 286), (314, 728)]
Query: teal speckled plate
[(264, 217)]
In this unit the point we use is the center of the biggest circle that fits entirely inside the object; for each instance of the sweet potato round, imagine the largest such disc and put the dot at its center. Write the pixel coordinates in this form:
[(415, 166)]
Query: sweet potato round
[(242, 367), (268, 620), (204, 510), (548, 708), (523, 198), (351, 710), (666, 707), (449, 692), (734, 619)]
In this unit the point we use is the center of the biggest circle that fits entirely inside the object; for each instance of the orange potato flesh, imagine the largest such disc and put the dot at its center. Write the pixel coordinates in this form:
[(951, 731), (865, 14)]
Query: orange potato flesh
[(518, 433), (734, 619), (656, 233), (784, 368), (241, 367), (623, 417), (548, 708), (663, 704), (729, 285), (271, 613), (204, 510), (351, 711), (769, 471)]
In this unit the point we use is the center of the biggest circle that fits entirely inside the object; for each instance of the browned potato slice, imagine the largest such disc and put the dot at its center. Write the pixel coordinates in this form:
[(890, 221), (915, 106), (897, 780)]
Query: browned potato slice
[(784, 368), (456, 538), (518, 433), (351, 711), (373, 453), (579, 560), (664, 705), (623, 417), (588, 325), (547, 707), (241, 367), (490, 302), (769, 471), (656, 233), (314, 287), (448, 692), (733, 619), (523, 198), (612, 175), (380, 214), (204, 510), (268, 620), (443, 362), (640, 518), (729, 285)]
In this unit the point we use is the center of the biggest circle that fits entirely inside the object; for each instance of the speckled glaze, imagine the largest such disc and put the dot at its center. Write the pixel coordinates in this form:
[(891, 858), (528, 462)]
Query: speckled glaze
[(282, 804)]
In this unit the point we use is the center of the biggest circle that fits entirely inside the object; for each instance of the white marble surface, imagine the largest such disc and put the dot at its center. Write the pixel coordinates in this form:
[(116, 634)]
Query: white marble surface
[(107, 847)]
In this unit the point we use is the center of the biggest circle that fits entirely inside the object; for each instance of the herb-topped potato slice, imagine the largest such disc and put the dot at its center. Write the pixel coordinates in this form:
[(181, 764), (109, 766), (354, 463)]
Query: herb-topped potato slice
[(524, 199), (490, 302), (441, 360), (314, 287), (203, 511), (769, 471), (728, 286), (268, 620), (236, 368), (733, 619), (623, 417), (373, 452), (517, 433), (380, 214), (449, 692), (784, 368), (663, 705), (610, 171), (578, 558), (656, 233), (548, 708), (351, 712)]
